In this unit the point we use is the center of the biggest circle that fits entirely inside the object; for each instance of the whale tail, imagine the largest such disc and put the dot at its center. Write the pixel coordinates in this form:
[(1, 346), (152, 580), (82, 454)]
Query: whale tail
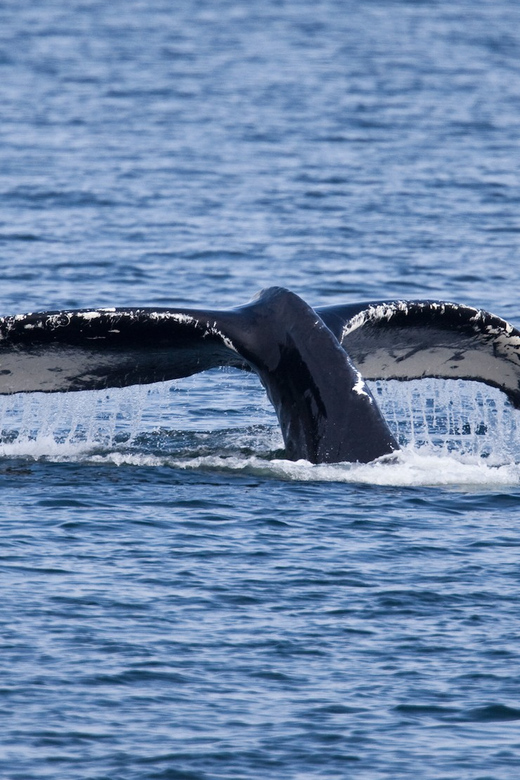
[(309, 361)]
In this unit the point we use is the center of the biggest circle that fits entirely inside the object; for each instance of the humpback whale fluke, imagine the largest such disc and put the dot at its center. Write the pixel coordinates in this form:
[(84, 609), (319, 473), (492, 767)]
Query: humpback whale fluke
[(312, 362)]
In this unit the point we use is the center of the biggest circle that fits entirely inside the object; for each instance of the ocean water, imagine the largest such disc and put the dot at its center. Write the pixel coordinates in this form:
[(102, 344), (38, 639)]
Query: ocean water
[(179, 601)]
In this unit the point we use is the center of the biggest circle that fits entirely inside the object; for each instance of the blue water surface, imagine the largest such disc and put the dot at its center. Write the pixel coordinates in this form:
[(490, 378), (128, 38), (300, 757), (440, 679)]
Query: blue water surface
[(177, 600)]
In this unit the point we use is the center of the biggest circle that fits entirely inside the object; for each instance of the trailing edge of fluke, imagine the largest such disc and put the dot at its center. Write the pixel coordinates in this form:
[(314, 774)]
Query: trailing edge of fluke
[(313, 363)]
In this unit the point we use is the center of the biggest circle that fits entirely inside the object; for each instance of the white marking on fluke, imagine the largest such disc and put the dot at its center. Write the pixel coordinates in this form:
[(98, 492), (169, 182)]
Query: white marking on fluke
[(90, 315), (383, 311), (360, 387)]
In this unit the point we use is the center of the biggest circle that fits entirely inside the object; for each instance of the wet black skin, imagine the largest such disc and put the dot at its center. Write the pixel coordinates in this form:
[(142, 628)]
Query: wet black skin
[(308, 360)]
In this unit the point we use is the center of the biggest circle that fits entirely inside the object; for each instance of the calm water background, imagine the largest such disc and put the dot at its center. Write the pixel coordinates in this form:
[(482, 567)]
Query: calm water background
[(177, 601)]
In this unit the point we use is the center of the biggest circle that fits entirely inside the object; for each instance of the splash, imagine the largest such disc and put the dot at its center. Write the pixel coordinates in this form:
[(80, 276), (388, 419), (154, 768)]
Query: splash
[(452, 432)]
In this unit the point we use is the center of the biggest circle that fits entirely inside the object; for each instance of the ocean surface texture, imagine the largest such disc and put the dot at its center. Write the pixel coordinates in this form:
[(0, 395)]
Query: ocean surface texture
[(178, 601)]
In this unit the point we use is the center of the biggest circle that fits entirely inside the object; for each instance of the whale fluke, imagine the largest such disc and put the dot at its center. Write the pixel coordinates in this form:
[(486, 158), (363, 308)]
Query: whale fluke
[(417, 339), (312, 362)]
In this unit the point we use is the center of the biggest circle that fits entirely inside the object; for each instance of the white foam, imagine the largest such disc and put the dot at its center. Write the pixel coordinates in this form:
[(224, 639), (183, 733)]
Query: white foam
[(409, 468)]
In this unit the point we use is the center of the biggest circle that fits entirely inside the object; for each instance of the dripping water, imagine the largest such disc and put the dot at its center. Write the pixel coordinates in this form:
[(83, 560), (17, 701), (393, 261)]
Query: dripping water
[(452, 417), (229, 411)]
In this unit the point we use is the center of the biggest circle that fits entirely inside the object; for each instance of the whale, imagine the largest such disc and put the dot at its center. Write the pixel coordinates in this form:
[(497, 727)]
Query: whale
[(314, 363)]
